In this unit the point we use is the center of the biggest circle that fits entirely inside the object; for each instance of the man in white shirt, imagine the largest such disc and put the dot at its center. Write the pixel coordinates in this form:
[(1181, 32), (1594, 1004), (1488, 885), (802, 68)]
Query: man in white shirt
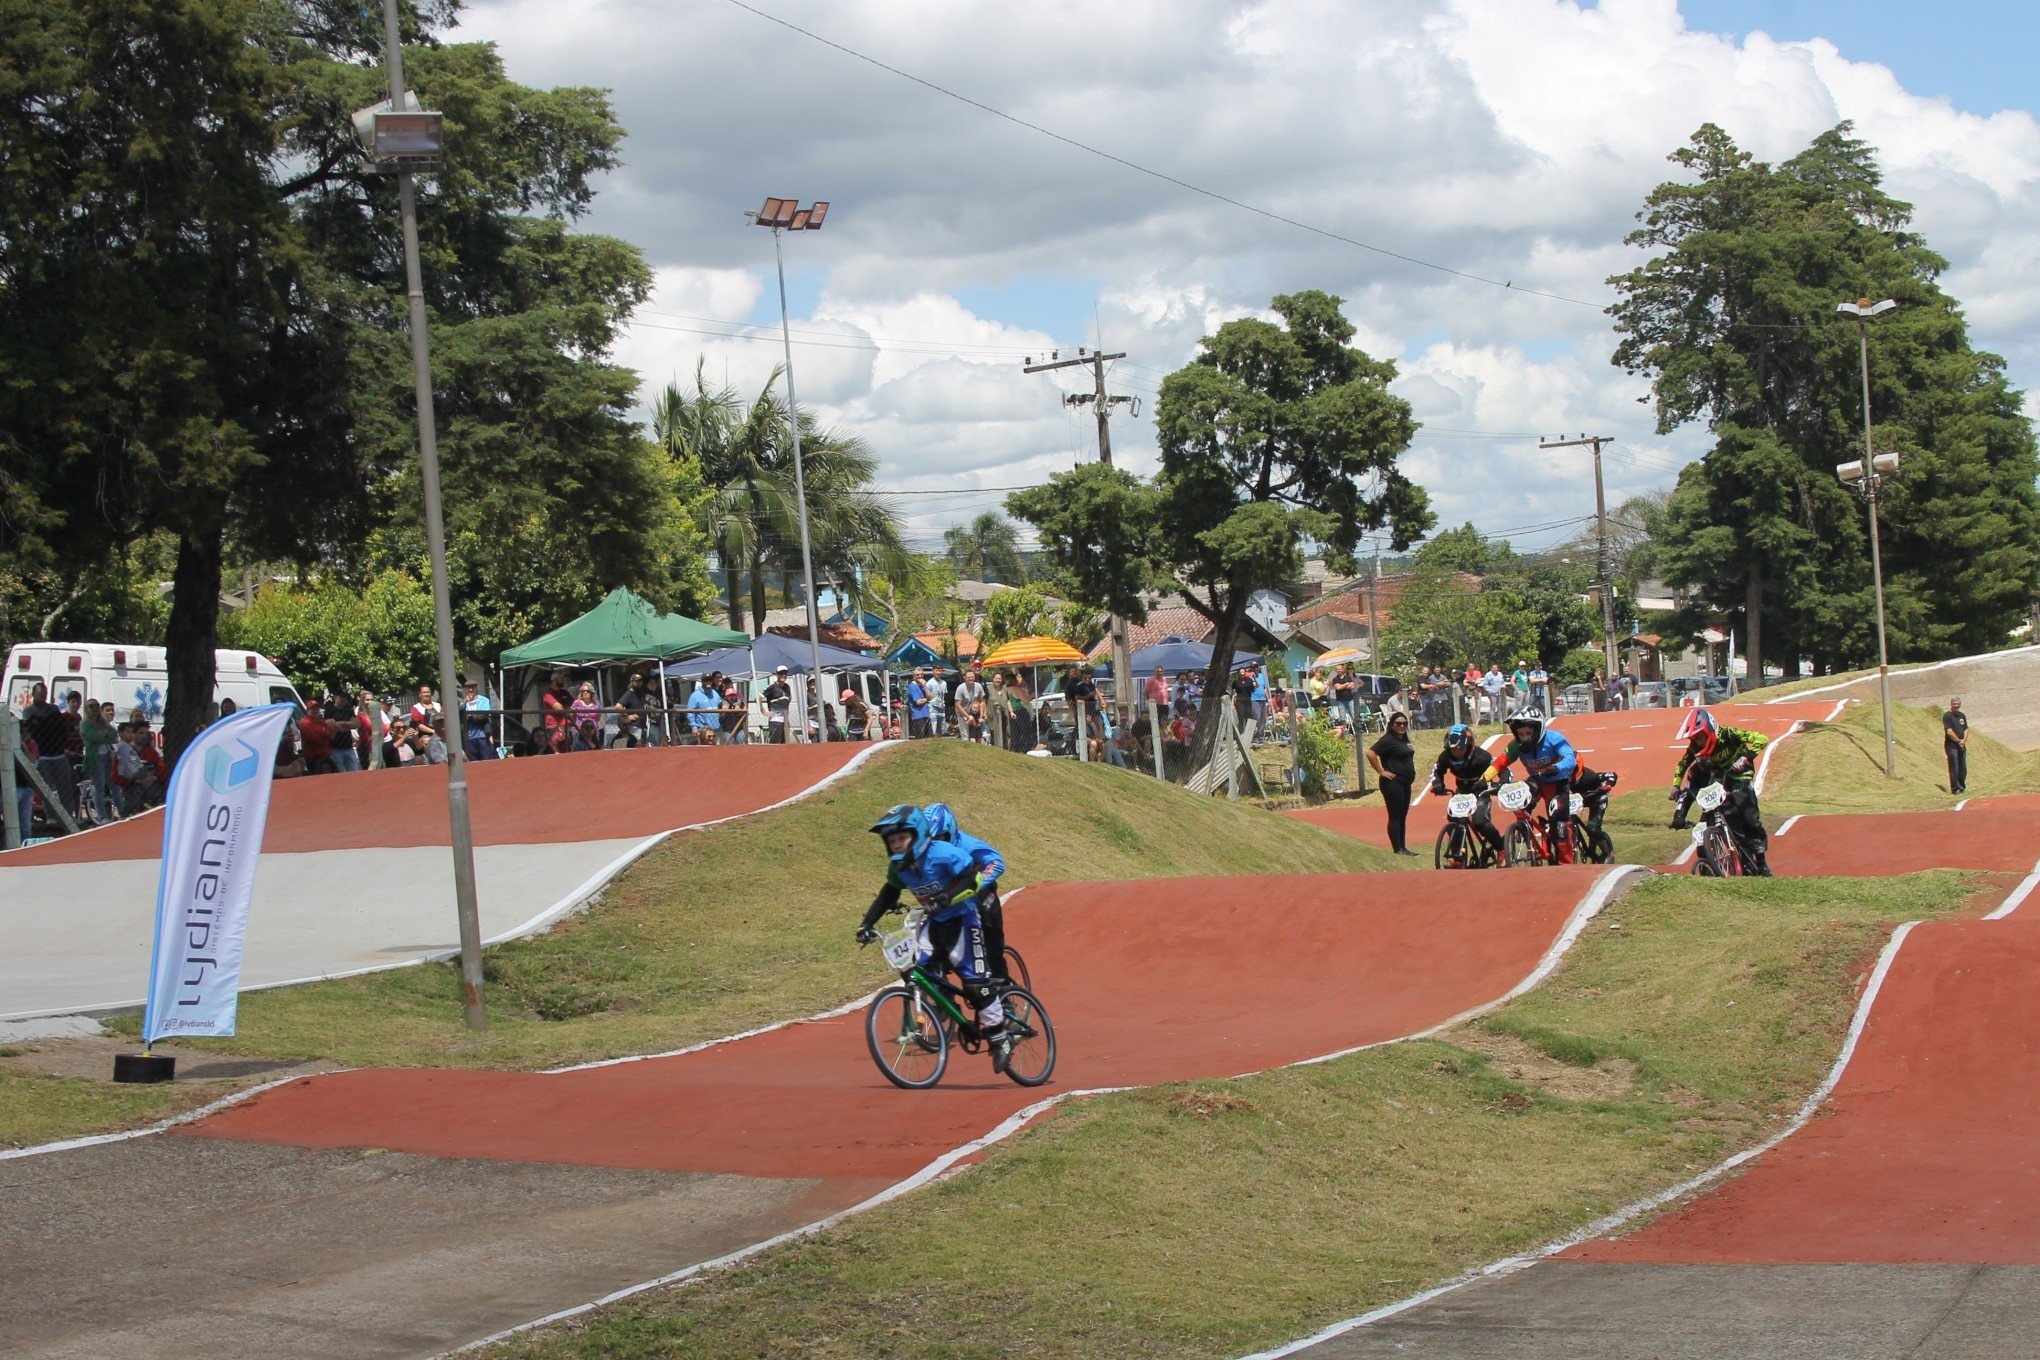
[(970, 707), (938, 703)]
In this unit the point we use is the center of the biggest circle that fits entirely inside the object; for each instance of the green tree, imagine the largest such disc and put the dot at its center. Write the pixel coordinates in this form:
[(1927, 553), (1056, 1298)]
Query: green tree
[(1733, 321), (1465, 549), (986, 549), (1097, 527), (1278, 433), (1441, 619), (1024, 611), (204, 330), (750, 513), (337, 637)]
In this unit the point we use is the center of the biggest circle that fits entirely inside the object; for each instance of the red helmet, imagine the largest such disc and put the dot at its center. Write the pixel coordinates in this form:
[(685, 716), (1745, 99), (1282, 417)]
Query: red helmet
[(1700, 732)]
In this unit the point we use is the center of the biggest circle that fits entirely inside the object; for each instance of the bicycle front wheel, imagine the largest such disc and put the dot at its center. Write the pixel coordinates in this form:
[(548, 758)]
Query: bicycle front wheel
[(1454, 847), (1032, 1060), (1520, 848), (907, 1038), (1016, 968)]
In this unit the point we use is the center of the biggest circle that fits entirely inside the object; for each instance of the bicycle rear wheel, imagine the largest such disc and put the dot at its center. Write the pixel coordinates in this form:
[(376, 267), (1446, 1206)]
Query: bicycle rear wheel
[(1519, 848), (907, 1038), (1032, 1060)]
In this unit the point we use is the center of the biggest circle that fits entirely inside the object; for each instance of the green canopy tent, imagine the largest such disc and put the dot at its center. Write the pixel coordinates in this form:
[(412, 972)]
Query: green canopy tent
[(623, 627)]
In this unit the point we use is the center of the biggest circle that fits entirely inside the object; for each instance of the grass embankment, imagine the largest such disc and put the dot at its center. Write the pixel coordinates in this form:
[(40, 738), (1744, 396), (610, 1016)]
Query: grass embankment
[(719, 930), (1212, 1218), (1839, 766)]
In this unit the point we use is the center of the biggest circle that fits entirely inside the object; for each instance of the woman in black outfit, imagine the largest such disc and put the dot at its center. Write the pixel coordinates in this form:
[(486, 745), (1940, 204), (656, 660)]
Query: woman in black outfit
[(1395, 764)]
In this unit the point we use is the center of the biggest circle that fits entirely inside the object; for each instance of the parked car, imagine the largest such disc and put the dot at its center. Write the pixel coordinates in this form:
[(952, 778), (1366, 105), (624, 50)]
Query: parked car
[(1652, 694), (1576, 699), (1712, 689)]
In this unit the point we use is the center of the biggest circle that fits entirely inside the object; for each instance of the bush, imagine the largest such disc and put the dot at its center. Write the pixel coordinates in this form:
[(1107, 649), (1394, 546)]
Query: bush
[(1577, 669), (1319, 750)]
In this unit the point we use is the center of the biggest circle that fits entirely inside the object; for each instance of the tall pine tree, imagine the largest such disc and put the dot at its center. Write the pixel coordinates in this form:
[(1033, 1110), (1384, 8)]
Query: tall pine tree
[(1733, 320)]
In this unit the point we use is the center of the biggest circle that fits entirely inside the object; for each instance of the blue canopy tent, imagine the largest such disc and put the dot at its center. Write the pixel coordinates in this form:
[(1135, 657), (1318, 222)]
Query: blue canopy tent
[(1174, 655), (767, 653)]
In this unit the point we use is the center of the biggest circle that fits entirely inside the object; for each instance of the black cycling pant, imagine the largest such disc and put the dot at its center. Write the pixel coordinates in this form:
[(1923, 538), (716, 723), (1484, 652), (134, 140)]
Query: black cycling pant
[(1395, 796), (992, 920)]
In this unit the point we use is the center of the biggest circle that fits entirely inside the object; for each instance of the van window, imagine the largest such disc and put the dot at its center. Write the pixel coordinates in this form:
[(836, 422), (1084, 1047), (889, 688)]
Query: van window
[(20, 688), (282, 694)]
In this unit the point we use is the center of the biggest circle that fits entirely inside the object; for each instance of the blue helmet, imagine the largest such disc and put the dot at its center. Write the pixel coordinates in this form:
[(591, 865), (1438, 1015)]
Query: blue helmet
[(1458, 735), (941, 822), (904, 817)]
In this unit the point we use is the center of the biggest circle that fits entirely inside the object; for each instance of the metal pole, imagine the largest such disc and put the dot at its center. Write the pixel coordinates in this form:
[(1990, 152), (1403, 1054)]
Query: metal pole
[(1601, 567), (10, 799), (435, 539), (1870, 480), (1122, 642), (807, 563)]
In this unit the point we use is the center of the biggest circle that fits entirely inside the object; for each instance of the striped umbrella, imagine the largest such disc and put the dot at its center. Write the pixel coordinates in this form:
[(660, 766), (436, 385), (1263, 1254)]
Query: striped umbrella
[(1031, 651)]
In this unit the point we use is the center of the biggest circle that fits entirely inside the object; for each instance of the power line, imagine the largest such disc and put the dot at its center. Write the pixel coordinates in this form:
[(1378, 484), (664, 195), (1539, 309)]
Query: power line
[(1166, 178)]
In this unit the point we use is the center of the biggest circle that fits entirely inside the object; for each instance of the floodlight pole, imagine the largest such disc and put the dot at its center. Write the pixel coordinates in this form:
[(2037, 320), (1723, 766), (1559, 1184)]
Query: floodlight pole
[(807, 561), (435, 540), (1863, 311)]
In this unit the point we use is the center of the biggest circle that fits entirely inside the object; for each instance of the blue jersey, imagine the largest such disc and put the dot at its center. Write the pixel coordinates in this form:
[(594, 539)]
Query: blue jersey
[(990, 863), (944, 880), (1550, 761)]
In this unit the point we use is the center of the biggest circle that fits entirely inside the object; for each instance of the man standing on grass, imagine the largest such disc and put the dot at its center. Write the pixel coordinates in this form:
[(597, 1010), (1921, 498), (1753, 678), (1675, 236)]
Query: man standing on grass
[(1955, 739)]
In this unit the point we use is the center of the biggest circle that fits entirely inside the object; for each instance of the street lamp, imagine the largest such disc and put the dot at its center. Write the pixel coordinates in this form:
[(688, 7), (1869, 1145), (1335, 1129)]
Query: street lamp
[(1869, 472), (786, 214), (400, 139)]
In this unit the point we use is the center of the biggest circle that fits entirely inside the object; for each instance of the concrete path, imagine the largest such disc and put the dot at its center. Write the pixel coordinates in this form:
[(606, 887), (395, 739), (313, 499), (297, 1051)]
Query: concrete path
[(355, 869), (1996, 689), (157, 1248)]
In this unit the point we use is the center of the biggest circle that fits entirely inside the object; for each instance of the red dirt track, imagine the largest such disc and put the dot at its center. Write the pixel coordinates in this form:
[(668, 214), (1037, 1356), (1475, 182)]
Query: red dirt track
[(1254, 973), (595, 795), (1876, 845), (1927, 1151)]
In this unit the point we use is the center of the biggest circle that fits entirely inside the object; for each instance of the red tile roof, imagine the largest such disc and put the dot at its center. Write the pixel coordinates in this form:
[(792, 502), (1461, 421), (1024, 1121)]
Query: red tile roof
[(1350, 604), (1171, 621)]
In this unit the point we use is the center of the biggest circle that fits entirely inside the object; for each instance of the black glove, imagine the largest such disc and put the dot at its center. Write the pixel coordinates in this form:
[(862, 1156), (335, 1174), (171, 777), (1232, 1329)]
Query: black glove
[(1438, 786), (865, 934)]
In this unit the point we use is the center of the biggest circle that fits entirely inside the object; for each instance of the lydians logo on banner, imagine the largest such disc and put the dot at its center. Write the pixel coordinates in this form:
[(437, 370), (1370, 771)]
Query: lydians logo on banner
[(212, 841)]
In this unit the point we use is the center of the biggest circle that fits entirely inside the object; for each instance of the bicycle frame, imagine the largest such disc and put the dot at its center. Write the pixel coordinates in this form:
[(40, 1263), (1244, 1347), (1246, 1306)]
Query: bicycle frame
[(1532, 816), (929, 987)]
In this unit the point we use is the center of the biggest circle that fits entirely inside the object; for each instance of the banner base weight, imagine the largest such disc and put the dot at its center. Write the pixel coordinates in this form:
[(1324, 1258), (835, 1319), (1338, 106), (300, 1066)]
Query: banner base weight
[(143, 1067)]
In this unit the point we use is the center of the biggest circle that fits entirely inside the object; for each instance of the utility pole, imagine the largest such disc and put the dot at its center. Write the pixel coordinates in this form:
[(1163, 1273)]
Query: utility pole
[(1600, 541), (1101, 405)]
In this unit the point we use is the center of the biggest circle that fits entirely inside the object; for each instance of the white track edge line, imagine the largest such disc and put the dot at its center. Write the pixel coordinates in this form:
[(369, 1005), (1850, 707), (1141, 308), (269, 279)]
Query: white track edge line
[(585, 891), (1961, 805), (2018, 896), (1789, 823), (1910, 670), (1588, 907), (1628, 1213)]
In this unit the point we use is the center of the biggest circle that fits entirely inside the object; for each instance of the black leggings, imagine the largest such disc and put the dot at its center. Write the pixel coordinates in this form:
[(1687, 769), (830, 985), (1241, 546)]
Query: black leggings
[(1395, 796), (992, 920)]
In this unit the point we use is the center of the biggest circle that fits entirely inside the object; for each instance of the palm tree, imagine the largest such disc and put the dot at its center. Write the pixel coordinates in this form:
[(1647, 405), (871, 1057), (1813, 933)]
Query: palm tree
[(752, 514), (988, 547)]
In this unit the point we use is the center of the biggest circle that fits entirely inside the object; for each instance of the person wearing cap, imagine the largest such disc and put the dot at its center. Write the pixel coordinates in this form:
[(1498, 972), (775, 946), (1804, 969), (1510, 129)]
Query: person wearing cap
[(778, 698)]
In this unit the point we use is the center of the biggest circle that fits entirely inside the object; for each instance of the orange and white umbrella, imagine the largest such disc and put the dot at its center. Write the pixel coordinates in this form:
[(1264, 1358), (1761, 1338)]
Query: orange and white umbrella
[(1031, 651)]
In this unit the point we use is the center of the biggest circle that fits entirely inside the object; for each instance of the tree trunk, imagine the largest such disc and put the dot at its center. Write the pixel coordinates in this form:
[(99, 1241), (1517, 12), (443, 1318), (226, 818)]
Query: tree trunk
[(1753, 625), (733, 598), (1226, 632), (192, 636), (757, 597)]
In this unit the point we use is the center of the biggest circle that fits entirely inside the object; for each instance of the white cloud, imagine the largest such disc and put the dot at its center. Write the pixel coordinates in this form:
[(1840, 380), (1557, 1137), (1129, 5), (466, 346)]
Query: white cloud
[(1513, 139)]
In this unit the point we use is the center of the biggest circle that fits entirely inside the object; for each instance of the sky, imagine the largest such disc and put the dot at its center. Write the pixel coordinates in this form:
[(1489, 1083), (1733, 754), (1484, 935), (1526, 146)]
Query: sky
[(1464, 172)]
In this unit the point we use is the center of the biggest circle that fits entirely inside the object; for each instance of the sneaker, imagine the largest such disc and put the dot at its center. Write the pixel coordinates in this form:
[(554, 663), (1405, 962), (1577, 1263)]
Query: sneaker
[(1411, 853), (1002, 1053)]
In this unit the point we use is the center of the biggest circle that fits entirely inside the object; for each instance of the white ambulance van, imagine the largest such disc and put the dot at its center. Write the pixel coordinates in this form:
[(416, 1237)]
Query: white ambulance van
[(133, 677)]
